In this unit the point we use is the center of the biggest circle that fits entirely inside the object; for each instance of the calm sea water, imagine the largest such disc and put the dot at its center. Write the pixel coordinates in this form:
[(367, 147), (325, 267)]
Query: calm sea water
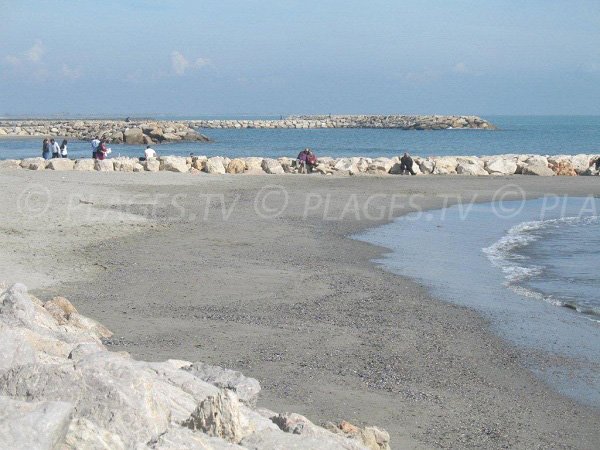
[(530, 267), (517, 134)]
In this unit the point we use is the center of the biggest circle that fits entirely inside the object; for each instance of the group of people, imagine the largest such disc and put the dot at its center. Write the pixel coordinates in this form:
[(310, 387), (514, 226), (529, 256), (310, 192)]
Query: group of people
[(51, 149), (99, 148), (306, 161)]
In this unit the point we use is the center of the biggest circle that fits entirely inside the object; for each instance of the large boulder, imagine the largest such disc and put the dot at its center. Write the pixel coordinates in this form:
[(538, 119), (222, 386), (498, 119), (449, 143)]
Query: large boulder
[(10, 164), (236, 166), (247, 389), (538, 169), (380, 166), (151, 165), (60, 164), (133, 136), (124, 164), (467, 168), (253, 164), (581, 163), (84, 165), (104, 165), (33, 424), (426, 165), (501, 166), (174, 164), (215, 165), (563, 168), (445, 166), (272, 166), (34, 163)]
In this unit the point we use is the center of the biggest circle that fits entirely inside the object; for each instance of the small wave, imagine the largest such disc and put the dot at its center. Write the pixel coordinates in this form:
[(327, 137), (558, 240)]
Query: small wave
[(503, 254)]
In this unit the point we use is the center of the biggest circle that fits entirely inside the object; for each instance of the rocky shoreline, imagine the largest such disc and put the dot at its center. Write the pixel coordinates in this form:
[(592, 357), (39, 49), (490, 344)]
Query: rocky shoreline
[(403, 122), (562, 165), (114, 131), (61, 387)]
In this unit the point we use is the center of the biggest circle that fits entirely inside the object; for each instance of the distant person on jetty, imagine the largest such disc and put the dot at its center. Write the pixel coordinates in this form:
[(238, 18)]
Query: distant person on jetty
[(406, 165), (595, 163), (95, 144), (63, 149), (148, 153), (46, 149), (55, 148)]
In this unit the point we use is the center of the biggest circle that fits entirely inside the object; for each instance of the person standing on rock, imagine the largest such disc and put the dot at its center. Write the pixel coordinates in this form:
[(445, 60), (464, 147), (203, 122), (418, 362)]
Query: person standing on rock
[(95, 144), (46, 149), (55, 148), (63, 149), (101, 150), (406, 164)]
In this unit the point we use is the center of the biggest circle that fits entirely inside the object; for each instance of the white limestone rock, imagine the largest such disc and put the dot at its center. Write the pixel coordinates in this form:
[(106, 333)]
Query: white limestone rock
[(60, 164), (215, 165), (29, 425), (445, 166), (34, 163), (174, 164), (466, 168), (272, 166), (10, 164), (104, 165), (501, 166), (86, 165), (247, 389)]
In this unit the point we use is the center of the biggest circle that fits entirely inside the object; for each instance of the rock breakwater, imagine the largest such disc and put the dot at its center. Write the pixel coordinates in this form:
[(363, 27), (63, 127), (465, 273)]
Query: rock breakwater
[(60, 387), (404, 122), (114, 131), (560, 165)]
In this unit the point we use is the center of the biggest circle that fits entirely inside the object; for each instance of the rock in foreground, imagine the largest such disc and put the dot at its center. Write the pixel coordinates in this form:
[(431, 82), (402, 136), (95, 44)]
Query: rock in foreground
[(61, 388)]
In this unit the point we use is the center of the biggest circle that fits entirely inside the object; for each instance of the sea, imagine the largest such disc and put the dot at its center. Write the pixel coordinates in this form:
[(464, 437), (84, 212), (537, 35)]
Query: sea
[(531, 267), (516, 134)]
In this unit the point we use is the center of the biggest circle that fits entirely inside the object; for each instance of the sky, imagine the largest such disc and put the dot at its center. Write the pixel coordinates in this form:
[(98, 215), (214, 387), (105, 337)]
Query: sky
[(271, 57)]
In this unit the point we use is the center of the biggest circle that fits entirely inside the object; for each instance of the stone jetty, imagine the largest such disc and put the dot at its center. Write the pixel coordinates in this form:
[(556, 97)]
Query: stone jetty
[(403, 122), (115, 131), (61, 388), (496, 165)]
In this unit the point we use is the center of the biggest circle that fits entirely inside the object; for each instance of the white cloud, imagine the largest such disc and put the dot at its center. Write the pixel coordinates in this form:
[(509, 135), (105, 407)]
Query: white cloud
[(462, 69), (12, 60), (34, 54), (180, 64), (71, 73)]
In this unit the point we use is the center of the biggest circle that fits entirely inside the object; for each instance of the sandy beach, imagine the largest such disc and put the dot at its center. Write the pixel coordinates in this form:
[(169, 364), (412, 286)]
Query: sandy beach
[(258, 273)]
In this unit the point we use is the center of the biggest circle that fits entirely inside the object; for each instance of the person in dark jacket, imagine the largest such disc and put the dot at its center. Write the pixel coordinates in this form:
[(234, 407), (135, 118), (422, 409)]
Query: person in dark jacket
[(406, 164), (46, 154)]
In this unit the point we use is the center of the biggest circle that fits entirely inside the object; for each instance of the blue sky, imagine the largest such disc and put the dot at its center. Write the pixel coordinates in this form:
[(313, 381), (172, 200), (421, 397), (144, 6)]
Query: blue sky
[(278, 57)]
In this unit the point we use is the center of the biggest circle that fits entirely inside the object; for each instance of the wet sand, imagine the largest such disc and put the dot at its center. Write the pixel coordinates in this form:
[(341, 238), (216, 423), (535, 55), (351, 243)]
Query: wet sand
[(276, 289)]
